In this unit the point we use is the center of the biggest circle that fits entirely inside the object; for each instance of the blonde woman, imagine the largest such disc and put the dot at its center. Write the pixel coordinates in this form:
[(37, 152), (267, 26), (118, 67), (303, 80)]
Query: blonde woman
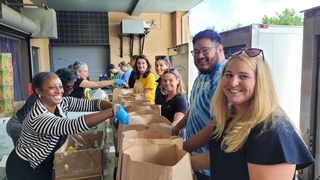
[(174, 105), (253, 138)]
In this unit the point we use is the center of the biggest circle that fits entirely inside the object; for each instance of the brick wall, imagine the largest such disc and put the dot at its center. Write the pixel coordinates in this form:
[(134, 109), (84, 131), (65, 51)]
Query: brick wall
[(156, 41)]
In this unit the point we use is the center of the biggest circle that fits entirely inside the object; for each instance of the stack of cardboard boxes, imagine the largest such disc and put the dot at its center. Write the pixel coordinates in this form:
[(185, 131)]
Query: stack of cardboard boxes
[(6, 85)]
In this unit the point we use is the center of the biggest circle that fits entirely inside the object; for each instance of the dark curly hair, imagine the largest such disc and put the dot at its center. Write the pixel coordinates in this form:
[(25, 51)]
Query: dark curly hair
[(66, 75)]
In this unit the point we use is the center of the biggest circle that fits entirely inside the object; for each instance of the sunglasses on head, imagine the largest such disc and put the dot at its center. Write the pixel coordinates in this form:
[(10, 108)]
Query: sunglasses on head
[(160, 57), (251, 52)]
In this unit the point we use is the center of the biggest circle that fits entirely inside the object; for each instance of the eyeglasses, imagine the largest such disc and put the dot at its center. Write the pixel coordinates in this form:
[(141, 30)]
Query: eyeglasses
[(203, 51), (68, 88), (251, 52)]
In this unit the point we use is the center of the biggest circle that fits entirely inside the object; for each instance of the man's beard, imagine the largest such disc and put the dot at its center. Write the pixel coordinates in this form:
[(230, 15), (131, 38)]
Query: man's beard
[(213, 63)]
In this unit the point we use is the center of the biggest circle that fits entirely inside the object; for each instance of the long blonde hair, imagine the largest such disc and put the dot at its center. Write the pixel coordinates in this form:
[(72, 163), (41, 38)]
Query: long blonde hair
[(262, 108)]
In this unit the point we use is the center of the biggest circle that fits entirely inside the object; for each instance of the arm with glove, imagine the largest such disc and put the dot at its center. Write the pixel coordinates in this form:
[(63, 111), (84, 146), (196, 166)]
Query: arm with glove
[(109, 110)]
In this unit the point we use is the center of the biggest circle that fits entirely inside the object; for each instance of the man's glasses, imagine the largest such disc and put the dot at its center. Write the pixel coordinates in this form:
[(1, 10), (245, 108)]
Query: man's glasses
[(68, 88), (251, 52), (203, 51)]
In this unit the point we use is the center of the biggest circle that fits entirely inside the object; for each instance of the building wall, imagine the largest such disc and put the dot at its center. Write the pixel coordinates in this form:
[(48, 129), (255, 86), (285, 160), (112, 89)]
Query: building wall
[(43, 45), (156, 41), (43, 56)]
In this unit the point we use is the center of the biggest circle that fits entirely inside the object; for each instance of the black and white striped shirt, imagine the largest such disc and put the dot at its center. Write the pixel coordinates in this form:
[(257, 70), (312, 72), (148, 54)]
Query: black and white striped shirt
[(41, 128)]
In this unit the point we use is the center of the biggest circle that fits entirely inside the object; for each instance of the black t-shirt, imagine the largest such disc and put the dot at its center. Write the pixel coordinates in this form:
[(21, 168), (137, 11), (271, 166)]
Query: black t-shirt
[(159, 98), (78, 91), (132, 80), (275, 146), (177, 104)]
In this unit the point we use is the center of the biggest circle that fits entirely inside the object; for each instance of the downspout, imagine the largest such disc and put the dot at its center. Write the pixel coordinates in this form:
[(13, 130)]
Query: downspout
[(182, 26)]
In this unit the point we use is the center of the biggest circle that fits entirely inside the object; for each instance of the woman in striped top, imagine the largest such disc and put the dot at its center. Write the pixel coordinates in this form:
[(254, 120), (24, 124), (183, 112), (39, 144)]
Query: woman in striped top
[(46, 127)]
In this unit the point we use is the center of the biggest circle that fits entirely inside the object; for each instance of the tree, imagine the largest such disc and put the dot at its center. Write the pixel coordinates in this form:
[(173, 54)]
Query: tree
[(287, 17), (234, 27), (190, 38), (212, 27)]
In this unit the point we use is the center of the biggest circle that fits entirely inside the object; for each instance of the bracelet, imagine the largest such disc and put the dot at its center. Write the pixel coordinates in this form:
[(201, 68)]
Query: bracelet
[(111, 109), (114, 110)]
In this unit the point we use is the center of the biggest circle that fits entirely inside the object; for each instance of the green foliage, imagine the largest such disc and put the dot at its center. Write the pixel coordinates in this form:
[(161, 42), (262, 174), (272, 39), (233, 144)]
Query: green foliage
[(112, 77), (190, 38), (287, 17), (234, 27), (212, 27)]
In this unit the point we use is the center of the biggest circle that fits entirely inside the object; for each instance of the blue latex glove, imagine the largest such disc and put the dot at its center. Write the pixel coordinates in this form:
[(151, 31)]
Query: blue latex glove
[(118, 81), (122, 115)]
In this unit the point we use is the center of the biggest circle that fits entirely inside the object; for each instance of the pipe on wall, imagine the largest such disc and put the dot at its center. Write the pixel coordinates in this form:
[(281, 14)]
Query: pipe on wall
[(17, 21)]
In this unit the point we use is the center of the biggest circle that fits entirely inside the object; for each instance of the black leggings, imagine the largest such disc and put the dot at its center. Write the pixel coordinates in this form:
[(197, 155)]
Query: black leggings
[(18, 169)]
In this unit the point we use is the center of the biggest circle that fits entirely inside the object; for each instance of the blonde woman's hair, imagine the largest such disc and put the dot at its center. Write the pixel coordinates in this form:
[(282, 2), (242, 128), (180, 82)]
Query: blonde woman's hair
[(180, 86), (264, 106)]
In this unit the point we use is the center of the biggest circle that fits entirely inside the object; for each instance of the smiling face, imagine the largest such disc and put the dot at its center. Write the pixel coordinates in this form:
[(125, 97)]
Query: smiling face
[(160, 66), (142, 65), (206, 62), (170, 83), (84, 73), (51, 92), (238, 83)]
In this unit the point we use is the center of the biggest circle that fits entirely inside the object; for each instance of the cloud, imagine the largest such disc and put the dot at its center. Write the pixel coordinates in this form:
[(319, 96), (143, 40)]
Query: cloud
[(228, 13)]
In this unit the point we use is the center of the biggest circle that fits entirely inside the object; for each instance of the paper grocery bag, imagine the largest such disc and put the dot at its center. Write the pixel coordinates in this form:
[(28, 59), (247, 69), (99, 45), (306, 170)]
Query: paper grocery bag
[(144, 138), (136, 102), (144, 122), (117, 91), (139, 109), (159, 161), (131, 97)]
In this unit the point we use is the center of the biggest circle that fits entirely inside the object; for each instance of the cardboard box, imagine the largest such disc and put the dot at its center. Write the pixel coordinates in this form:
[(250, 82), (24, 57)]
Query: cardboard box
[(6, 77), (5, 61), (85, 159), (6, 143), (159, 161)]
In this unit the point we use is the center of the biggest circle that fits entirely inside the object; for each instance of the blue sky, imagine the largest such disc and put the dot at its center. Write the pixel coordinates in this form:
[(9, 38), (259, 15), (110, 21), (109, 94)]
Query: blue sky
[(228, 13)]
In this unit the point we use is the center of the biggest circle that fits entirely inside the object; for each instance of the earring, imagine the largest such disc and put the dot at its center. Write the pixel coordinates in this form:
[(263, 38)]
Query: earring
[(39, 96)]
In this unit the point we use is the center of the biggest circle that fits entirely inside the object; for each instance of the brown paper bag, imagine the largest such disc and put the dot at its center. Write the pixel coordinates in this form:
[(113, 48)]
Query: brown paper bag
[(136, 102), (140, 109), (144, 122), (144, 138), (131, 97), (159, 161), (117, 91)]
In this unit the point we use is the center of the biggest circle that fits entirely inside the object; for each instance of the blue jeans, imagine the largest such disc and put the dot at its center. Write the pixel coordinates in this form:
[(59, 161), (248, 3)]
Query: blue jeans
[(14, 128)]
